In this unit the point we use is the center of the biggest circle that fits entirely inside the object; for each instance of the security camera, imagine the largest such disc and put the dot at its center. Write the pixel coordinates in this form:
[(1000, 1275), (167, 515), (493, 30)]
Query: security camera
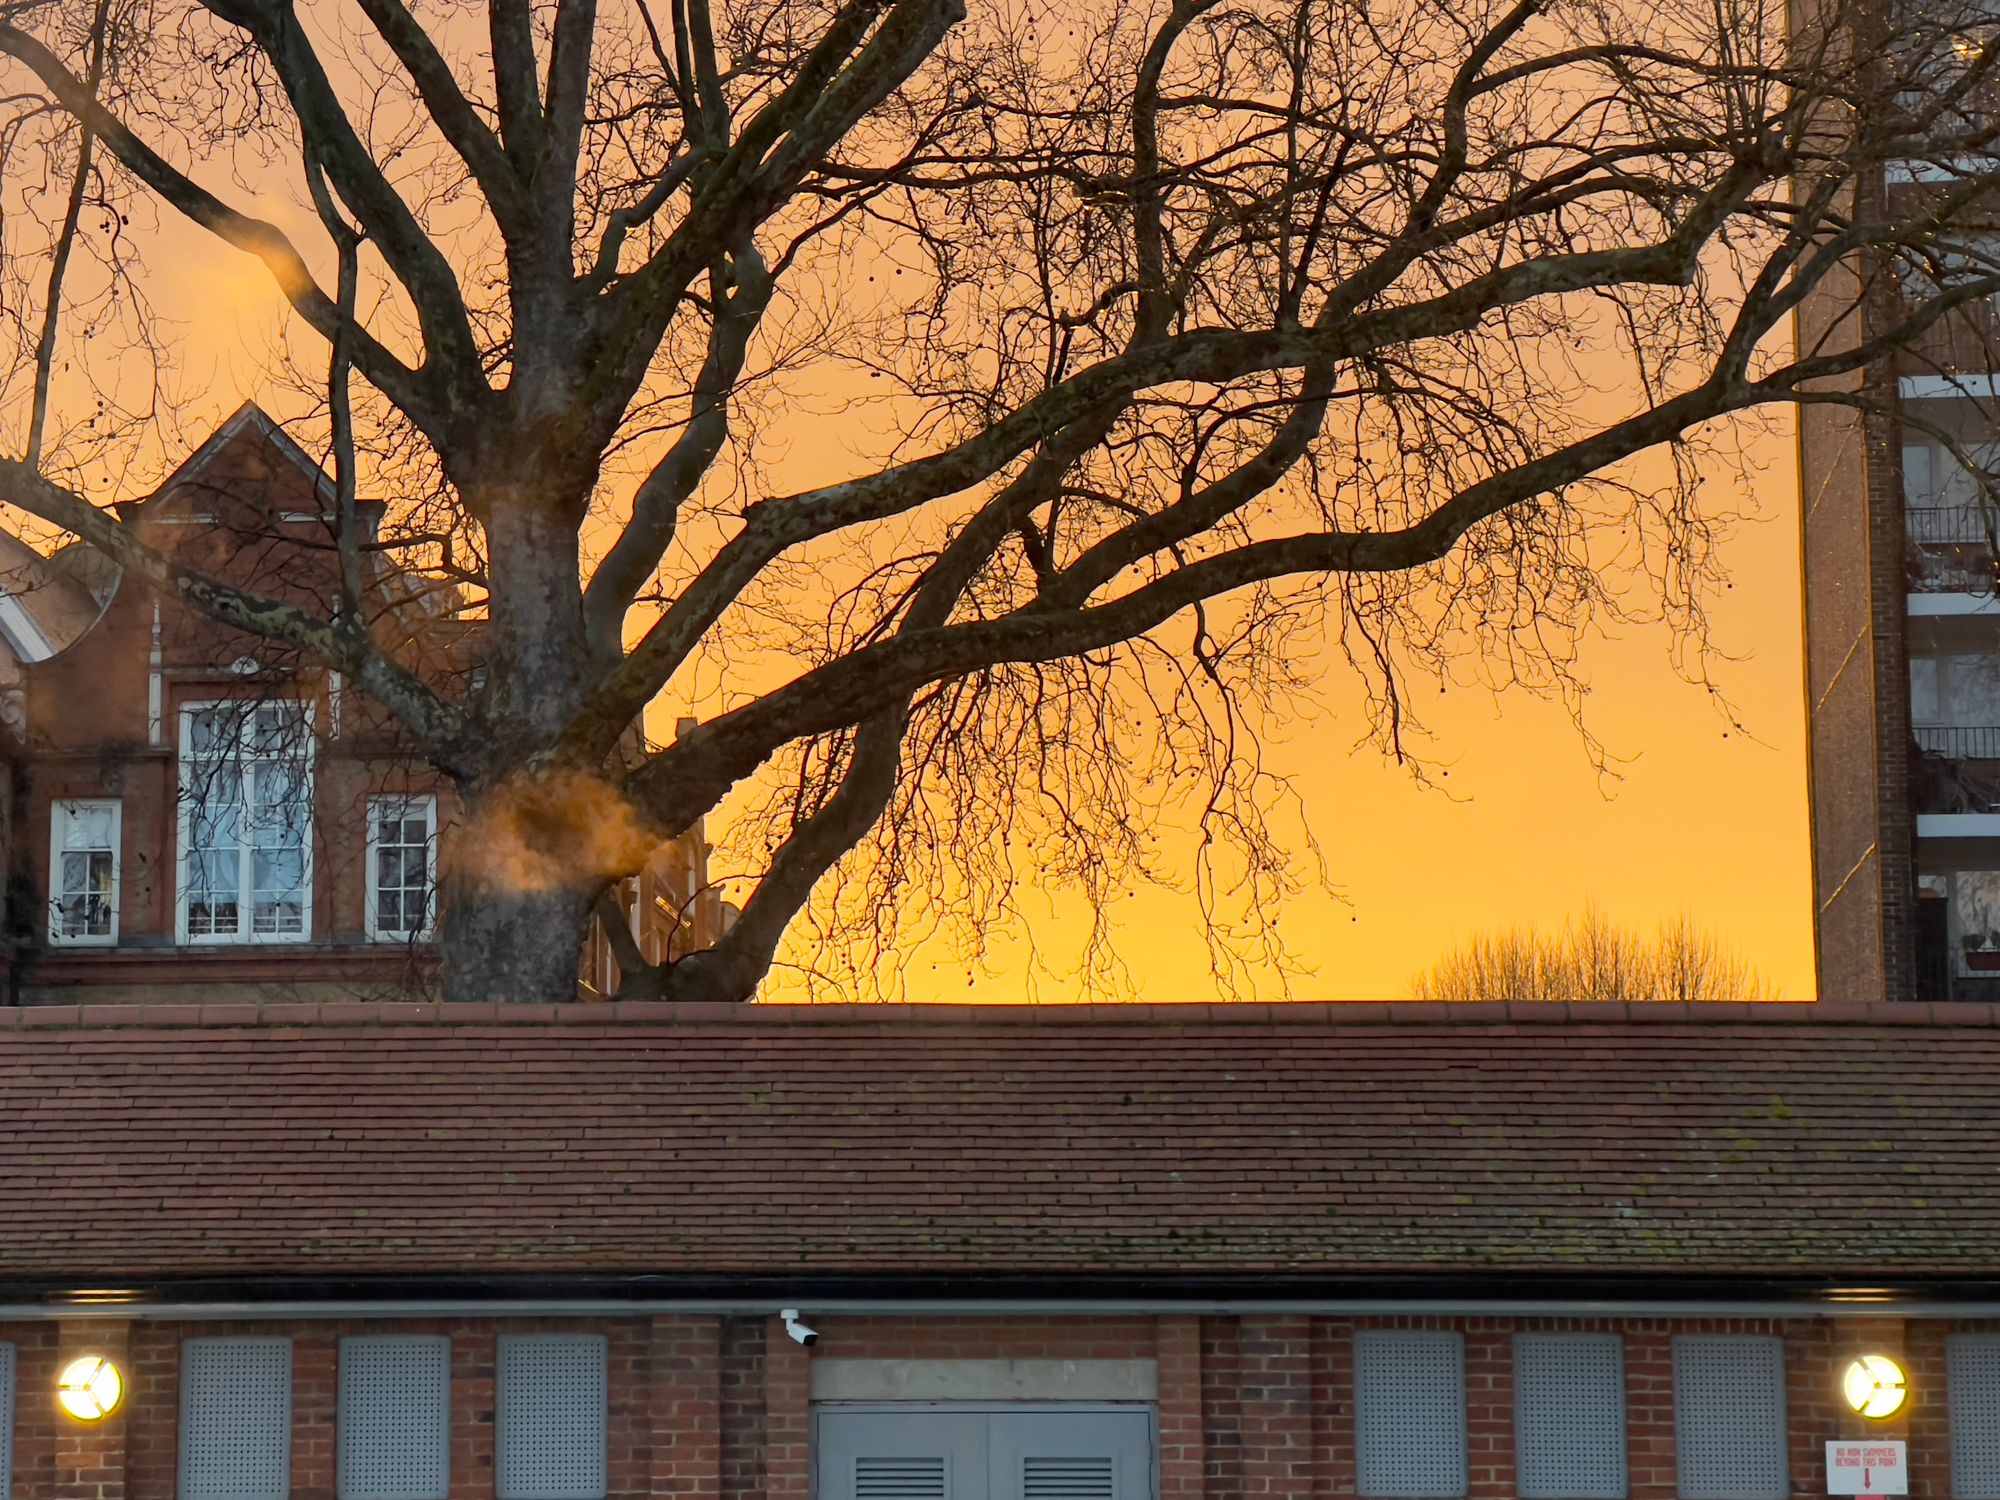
[(798, 1330)]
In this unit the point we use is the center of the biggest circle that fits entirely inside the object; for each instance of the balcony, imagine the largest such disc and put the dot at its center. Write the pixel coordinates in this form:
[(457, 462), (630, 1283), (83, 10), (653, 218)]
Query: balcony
[(1950, 566), (1955, 795)]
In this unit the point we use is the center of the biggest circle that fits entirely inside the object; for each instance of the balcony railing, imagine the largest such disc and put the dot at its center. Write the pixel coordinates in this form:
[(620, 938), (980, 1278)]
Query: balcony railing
[(1960, 741), (1949, 525)]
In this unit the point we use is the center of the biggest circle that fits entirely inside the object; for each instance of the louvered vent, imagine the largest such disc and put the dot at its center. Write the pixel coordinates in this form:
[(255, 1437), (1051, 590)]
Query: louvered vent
[(1972, 1375), (1569, 1416), (899, 1479), (395, 1417), (551, 1416), (1409, 1414), (1068, 1479), (236, 1419), (1729, 1417), (6, 1421)]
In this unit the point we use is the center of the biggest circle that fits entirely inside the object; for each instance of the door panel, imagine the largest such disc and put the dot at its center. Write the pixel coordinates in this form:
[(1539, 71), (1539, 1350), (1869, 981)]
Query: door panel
[(873, 1455), (1061, 1455)]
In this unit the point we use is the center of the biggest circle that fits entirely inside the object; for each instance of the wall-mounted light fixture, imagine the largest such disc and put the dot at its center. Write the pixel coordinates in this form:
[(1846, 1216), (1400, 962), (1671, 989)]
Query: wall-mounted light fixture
[(1875, 1386), (90, 1388)]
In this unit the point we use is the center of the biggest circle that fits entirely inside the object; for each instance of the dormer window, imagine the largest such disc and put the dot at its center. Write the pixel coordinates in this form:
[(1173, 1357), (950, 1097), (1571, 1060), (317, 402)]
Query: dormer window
[(246, 822)]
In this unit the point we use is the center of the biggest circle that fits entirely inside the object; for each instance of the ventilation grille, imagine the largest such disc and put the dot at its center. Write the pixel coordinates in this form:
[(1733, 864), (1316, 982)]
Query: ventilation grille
[(1729, 1418), (1972, 1373), (395, 1417), (551, 1416), (899, 1479), (236, 1419), (1409, 1414), (6, 1421), (1569, 1416), (1068, 1479)]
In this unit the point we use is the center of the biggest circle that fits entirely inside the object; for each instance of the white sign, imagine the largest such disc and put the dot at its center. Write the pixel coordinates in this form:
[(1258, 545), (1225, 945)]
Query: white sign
[(1868, 1466)]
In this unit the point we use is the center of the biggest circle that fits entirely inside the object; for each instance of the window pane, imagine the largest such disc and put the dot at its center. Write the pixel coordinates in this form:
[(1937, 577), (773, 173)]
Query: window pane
[(210, 731), (1924, 702), (277, 871), (86, 827), (278, 729), (278, 916)]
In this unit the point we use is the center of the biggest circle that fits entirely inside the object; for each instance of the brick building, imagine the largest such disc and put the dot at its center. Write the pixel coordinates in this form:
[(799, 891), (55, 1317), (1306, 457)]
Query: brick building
[(1116, 1253), (195, 812), (1902, 631)]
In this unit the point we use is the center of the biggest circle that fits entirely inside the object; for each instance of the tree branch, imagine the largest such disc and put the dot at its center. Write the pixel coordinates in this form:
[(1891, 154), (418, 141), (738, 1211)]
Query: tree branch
[(253, 236)]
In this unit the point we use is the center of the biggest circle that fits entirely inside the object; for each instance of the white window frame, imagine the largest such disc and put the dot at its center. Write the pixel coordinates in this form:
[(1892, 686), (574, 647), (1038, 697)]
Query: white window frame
[(245, 934), (59, 811), (410, 802)]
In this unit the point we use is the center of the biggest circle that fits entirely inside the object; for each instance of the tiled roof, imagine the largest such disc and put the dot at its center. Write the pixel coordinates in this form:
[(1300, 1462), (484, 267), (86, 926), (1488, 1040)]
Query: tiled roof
[(895, 1141)]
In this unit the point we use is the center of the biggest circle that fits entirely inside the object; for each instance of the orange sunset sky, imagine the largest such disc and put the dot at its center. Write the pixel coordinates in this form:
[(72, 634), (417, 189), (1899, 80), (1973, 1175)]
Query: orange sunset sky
[(1704, 820)]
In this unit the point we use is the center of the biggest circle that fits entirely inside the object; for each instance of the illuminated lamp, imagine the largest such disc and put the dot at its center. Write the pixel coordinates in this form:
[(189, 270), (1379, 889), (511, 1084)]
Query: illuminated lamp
[(1875, 1386), (90, 1388)]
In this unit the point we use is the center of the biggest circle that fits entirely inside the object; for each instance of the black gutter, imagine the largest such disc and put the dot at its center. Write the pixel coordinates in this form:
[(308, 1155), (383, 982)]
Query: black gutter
[(1804, 1292)]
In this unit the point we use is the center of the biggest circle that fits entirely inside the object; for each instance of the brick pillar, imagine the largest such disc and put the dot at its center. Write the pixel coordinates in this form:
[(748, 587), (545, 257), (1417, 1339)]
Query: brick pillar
[(315, 1411), (1333, 1408), (686, 1415), (1489, 1410), (1177, 1350), (472, 1355), (1649, 1411), (1277, 1406), (153, 1412), (90, 1457), (1929, 1406), (1222, 1405), (787, 1415)]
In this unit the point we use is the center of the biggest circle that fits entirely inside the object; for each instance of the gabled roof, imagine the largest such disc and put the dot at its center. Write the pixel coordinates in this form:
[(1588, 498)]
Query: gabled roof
[(711, 1145), (248, 420)]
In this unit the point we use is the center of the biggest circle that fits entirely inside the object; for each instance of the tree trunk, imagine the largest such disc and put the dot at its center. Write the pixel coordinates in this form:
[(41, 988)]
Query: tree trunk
[(516, 946)]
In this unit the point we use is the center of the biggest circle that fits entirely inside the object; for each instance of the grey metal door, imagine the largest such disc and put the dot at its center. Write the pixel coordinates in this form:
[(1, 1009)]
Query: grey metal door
[(955, 1453)]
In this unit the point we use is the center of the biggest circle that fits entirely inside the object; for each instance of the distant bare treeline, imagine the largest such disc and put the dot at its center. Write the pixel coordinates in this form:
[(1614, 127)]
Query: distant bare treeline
[(1592, 958)]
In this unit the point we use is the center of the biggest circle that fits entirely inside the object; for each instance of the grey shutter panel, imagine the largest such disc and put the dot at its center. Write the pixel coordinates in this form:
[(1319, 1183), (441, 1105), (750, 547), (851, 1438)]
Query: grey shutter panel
[(1068, 1479), (912, 1478), (1569, 1416), (236, 1419), (395, 1417), (1409, 1414), (1071, 1455), (550, 1410), (1972, 1378), (878, 1455), (1729, 1417), (6, 1421)]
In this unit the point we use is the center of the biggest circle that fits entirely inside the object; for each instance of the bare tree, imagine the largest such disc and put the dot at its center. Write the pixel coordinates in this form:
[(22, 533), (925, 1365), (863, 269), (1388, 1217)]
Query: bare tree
[(1175, 335), (1592, 959)]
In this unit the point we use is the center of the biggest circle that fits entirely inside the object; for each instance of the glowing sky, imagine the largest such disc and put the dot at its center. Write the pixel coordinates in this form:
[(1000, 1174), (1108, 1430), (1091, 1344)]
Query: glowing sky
[(1705, 820)]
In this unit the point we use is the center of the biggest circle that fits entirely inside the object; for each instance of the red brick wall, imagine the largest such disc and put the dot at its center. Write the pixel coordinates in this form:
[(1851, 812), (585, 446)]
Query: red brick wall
[(703, 1406)]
